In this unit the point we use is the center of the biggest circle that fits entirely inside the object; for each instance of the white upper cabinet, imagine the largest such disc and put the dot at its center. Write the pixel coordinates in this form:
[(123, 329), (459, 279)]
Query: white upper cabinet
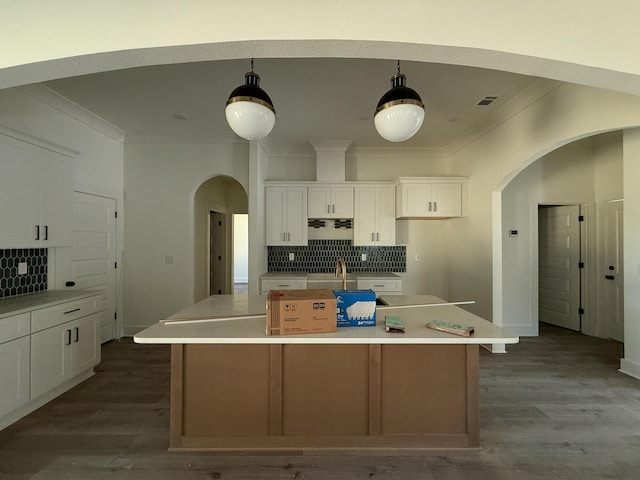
[(374, 221), (36, 191), (330, 202), (286, 215), (421, 198)]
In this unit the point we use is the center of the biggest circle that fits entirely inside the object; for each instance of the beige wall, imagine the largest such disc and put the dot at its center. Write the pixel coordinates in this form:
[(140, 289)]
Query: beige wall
[(161, 182)]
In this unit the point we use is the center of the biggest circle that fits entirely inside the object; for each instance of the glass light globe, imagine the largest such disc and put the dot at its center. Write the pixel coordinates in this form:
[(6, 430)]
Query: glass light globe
[(250, 120), (399, 122)]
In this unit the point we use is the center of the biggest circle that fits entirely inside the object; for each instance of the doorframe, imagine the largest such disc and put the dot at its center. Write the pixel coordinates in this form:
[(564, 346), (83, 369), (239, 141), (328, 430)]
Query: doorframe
[(222, 209), (586, 254)]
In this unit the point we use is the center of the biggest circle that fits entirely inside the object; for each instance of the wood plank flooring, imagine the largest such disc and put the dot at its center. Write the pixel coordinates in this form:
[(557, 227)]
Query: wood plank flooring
[(553, 407)]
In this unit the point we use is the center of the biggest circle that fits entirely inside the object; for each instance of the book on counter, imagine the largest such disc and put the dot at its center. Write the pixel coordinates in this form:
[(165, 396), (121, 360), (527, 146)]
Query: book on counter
[(393, 324), (449, 327)]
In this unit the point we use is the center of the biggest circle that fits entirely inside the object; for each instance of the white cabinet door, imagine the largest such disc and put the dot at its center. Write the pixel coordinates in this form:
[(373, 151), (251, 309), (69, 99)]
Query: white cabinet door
[(286, 215), (330, 202), (447, 199), (85, 344), (386, 218), (429, 200), (364, 220), (36, 191), (374, 219), (56, 213), (14, 374), (50, 363), (19, 197)]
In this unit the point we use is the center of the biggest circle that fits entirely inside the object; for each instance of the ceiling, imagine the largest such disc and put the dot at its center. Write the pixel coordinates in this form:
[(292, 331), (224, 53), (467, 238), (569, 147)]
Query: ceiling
[(314, 98)]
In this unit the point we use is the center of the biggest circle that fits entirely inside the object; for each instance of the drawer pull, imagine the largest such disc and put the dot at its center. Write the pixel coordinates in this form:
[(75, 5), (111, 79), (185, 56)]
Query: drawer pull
[(71, 311), (77, 334), (284, 285), (68, 337), (383, 285)]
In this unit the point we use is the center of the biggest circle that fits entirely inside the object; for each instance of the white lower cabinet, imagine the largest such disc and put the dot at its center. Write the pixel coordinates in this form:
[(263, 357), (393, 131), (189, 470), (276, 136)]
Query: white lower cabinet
[(44, 352), (60, 353), (14, 374)]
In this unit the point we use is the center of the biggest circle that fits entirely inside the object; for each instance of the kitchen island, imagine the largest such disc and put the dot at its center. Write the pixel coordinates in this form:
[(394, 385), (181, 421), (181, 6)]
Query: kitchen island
[(235, 388)]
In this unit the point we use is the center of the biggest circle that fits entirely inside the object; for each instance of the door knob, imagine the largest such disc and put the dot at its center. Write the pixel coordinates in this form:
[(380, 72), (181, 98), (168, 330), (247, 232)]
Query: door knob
[(611, 267), (609, 277)]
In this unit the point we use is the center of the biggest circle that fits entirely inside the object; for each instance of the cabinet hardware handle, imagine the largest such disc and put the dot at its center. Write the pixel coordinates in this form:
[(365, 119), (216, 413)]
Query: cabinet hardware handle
[(46, 232), (328, 208), (609, 277), (283, 285), (284, 236), (378, 285), (435, 206), (68, 337), (333, 209), (377, 236), (373, 237), (71, 311), (77, 334), (37, 232), (429, 206)]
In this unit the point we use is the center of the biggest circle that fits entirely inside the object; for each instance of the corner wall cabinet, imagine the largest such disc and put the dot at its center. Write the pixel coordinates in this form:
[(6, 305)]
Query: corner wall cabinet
[(44, 352), (330, 202), (429, 198), (286, 215), (38, 187), (374, 221)]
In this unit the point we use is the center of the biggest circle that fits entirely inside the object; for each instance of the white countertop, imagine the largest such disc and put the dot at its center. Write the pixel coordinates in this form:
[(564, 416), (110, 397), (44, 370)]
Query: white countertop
[(195, 324), (351, 276), (34, 301)]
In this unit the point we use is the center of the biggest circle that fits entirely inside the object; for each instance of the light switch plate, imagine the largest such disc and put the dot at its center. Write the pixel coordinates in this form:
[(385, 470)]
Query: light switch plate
[(292, 256), (22, 268), (363, 257)]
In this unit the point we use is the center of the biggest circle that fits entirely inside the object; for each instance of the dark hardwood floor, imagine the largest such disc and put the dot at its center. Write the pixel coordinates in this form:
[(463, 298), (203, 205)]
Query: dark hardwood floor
[(553, 407)]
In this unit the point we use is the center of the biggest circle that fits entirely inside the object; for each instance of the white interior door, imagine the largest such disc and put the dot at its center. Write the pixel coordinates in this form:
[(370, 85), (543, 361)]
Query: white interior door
[(559, 272), (93, 255), (614, 273)]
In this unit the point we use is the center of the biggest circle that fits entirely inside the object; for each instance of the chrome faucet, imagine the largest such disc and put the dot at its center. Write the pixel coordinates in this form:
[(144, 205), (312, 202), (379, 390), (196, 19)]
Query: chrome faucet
[(341, 266)]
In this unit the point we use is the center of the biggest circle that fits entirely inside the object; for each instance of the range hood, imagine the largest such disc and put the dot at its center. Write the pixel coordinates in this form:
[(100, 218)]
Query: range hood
[(330, 160)]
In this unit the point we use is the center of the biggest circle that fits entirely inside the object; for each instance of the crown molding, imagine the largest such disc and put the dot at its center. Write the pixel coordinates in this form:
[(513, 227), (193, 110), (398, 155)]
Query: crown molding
[(37, 141), (65, 106)]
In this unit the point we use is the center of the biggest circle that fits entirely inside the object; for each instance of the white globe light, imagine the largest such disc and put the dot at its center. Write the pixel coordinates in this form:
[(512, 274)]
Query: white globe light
[(399, 122), (250, 120)]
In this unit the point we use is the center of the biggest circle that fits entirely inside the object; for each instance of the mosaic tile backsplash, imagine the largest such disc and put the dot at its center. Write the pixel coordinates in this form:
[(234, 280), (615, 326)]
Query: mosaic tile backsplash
[(35, 280), (320, 257)]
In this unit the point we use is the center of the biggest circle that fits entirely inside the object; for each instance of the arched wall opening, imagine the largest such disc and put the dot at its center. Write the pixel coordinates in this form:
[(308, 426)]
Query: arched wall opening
[(585, 171), (215, 202)]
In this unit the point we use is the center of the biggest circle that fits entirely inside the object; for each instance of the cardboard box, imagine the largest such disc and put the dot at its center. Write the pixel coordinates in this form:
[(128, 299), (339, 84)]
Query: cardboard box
[(291, 312), (356, 308)]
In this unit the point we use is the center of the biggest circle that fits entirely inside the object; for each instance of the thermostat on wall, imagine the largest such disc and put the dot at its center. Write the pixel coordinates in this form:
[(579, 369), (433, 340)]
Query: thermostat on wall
[(513, 233)]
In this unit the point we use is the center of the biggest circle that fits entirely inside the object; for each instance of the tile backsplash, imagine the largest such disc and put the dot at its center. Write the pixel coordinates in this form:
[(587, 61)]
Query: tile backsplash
[(320, 257), (13, 284)]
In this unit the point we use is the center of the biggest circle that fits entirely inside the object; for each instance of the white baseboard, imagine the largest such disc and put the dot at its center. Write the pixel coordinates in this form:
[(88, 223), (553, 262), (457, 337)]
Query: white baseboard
[(630, 368)]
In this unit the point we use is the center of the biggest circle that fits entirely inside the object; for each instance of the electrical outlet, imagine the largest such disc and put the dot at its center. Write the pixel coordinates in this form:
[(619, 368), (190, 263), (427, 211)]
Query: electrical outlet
[(292, 256), (22, 268), (417, 257), (363, 257)]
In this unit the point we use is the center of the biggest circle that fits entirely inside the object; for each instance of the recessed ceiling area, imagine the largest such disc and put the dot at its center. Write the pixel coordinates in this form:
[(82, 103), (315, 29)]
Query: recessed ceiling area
[(314, 98)]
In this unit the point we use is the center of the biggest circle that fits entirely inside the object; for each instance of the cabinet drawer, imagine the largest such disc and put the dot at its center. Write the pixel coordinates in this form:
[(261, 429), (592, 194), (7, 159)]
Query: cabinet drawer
[(380, 285), (58, 314), (15, 326), (282, 284)]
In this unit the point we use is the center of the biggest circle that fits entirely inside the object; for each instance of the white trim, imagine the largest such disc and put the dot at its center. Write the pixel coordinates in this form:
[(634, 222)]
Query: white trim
[(629, 367), (37, 141)]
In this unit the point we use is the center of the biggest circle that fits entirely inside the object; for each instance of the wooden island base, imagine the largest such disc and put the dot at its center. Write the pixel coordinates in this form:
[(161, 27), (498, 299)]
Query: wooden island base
[(305, 397)]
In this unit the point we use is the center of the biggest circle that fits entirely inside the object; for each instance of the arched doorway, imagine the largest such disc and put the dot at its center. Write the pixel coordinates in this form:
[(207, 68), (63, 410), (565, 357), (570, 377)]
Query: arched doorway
[(216, 202)]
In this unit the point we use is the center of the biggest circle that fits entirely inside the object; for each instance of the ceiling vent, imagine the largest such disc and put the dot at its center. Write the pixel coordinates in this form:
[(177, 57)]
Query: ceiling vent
[(487, 100)]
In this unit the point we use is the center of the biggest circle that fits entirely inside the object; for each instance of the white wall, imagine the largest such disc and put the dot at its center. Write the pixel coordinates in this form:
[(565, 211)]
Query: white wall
[(564, 177), (631, 164), (160, 186)]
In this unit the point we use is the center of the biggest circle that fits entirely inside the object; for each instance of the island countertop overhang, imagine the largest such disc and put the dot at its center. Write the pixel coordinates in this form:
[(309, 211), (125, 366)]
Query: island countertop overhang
[(200, 324)]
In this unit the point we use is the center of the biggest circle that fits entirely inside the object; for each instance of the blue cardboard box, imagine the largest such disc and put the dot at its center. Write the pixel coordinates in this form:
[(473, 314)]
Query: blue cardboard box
[(356, 308)]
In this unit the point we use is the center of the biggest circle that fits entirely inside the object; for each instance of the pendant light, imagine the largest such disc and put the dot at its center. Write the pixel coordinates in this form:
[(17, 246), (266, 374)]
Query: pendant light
[(249, 110), (400, 111)]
